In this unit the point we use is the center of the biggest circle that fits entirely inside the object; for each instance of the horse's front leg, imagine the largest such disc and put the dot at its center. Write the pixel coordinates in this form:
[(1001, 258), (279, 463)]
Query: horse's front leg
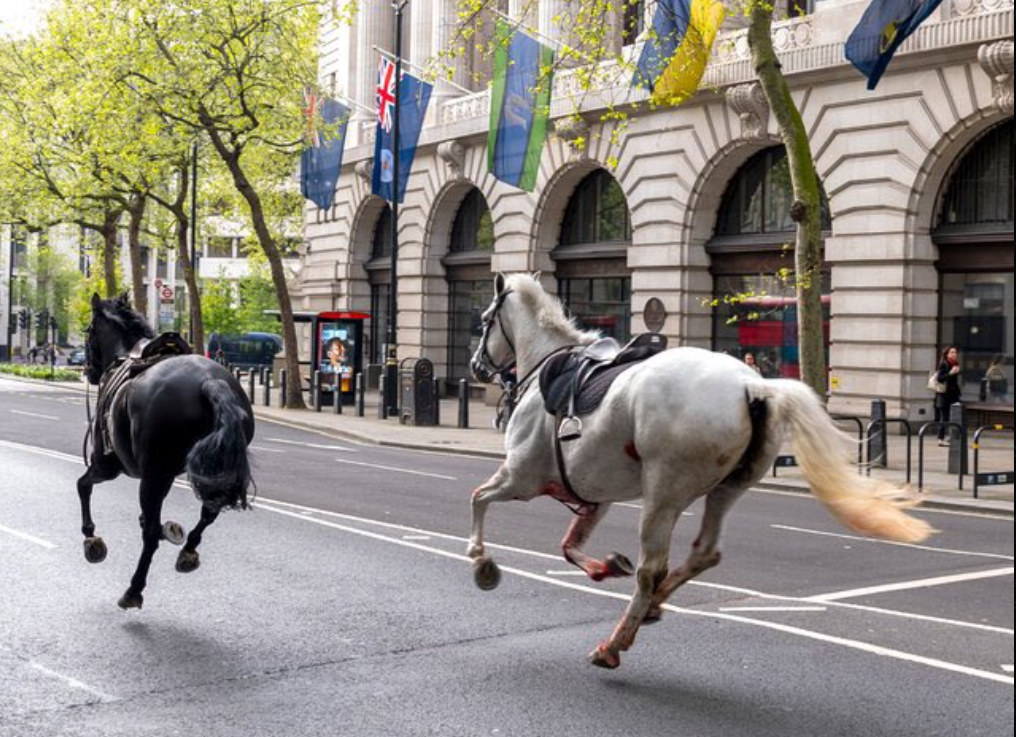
[(657, 527), (498, 489), (614, 566), (152, 492), (95, 547), (189, 560)]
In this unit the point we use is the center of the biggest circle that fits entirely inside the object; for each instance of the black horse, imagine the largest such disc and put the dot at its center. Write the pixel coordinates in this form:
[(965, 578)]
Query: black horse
[(155, 419)]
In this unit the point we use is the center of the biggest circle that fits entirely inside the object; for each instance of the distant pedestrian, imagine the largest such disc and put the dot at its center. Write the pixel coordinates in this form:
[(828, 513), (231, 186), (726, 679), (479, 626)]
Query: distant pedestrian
[(749, 361), (998, 385), (948, 375)]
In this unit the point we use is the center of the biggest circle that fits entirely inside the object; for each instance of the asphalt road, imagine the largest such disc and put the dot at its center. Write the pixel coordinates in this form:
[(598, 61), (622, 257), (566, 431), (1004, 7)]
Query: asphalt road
[(343, 605)]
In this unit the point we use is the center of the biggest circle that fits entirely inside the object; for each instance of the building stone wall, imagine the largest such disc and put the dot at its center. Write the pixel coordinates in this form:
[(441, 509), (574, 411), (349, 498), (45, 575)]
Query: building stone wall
[(883, 157)]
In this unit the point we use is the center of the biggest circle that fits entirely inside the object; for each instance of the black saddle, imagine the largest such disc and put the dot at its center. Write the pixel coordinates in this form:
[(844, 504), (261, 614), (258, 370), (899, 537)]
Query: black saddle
[(574, 384)]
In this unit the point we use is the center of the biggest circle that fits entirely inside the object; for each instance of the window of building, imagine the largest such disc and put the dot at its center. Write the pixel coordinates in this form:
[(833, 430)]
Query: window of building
[(221, 247), (634, 21), (597, 212), (599, 303), (759, 199), (379, 274), (474, 227), (380, 294), (470, 286), (381, 245), (980, 192)]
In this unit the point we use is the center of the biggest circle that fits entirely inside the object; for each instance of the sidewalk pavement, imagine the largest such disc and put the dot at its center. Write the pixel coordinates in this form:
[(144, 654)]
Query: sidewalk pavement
[(941, 490)]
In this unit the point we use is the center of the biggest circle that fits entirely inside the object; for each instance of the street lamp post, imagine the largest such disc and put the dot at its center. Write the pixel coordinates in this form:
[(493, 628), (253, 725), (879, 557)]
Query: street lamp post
[(392, 361), (191, 302), (10, 294)]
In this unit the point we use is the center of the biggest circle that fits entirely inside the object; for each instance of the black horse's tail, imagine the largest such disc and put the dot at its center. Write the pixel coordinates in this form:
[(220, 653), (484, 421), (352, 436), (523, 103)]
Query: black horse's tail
[(217, 465)]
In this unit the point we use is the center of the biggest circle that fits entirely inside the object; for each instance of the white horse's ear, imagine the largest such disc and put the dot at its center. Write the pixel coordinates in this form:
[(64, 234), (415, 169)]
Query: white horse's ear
[(537, 275), (499, 283)]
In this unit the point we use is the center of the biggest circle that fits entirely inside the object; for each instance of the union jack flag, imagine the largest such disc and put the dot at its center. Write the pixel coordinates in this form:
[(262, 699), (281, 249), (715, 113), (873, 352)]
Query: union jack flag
[(386, 95)]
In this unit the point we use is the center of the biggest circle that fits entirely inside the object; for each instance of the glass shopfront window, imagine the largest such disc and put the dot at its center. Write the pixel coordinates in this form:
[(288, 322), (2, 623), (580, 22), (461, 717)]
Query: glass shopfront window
[(977, 317), (467, 302), (600, 303), (758, 315)]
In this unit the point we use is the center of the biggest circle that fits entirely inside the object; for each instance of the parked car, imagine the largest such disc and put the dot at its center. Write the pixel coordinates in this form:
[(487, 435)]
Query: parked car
[(250, 350)]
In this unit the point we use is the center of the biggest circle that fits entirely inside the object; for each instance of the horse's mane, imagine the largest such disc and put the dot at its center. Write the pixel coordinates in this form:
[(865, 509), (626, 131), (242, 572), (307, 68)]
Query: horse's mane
[(132, 323), (547, 309)]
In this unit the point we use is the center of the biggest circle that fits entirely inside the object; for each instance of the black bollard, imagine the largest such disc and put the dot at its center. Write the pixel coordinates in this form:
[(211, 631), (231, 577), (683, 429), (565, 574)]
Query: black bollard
[(437, 401), (337, 395), (958, 455), (250, 386), (267, 389), (361, 396), (878, 441), (382, 407), (463, 404), (315, 388), (283, 388)]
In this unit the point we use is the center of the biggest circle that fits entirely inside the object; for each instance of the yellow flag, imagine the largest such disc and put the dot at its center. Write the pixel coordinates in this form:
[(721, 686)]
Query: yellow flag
[(680, 80)]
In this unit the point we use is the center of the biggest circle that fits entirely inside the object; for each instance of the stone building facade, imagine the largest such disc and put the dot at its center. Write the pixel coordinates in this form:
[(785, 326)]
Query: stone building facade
[(659, 222)]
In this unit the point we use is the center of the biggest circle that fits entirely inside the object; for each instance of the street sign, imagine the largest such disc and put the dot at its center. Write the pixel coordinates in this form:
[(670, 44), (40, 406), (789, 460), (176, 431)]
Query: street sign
[(166, 293)]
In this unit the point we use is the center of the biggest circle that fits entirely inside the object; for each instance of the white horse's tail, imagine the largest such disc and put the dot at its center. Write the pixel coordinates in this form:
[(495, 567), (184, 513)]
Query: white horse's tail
[(864, 505)]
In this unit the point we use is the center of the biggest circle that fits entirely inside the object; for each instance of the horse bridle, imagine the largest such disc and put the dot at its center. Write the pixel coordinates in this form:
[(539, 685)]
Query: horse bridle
[(486, 361)]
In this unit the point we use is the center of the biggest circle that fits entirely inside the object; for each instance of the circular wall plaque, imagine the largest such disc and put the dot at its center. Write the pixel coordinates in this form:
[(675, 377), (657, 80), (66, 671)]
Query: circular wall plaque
[(655, 315)]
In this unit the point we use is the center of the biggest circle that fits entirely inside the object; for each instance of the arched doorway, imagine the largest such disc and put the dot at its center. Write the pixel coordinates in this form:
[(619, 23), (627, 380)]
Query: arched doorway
[(752, 261), (379, 276), (593, 277), (470, 285), (974, 235)]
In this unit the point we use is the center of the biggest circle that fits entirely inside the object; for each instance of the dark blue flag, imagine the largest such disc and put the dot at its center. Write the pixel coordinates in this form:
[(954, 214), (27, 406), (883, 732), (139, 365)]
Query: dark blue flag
[(414, 95), (322, 159), (670, 25), (885, 25)]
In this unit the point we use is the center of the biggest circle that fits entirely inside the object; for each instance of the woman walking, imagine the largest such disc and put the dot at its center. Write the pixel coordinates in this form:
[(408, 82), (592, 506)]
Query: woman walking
[(949, 376)]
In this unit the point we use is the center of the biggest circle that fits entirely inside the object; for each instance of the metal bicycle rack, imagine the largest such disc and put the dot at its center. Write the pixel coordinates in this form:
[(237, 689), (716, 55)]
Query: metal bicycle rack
[(910, 441), (789, 461), (920, 448), (988, 479)]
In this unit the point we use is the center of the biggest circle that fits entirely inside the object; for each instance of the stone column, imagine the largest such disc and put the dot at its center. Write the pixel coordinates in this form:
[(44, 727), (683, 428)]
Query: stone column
[(444, 26), (548, 12), (375, 26)]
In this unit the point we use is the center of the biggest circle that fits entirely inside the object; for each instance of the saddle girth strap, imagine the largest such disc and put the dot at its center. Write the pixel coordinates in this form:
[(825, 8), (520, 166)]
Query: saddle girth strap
[(577, 505)]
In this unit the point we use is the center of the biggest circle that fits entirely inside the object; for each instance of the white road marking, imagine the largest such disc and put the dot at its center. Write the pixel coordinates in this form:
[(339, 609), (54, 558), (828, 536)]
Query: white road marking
[(909, 585), (262, 449), (29, 538), (396, 469), (73, 682), (316, 446), (416, 537), (566, 573), (796, 631), (33, 414), (857, 538), (1007, 668), (41, 451), (773, 609)]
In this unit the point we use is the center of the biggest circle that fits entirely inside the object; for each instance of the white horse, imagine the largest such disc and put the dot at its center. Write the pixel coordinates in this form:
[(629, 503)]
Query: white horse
[(683, 424)]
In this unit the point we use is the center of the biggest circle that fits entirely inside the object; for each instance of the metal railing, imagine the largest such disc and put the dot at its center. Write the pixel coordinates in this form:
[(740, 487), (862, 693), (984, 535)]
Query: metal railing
[(996, 478)]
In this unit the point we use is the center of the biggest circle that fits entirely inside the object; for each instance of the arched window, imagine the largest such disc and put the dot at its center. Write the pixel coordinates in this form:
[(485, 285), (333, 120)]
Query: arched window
[(379, 274), (974, 235), (470, 285), (381, 245), (597, 212), (759, 199), (755, 307), (980, 192), (594, 280)]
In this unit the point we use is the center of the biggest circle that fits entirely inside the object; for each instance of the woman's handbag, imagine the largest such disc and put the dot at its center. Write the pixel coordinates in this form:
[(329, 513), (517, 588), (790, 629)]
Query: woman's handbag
[(934, 384)]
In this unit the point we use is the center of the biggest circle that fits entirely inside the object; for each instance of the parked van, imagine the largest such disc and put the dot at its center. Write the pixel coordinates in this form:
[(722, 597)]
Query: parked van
[(250, 350)]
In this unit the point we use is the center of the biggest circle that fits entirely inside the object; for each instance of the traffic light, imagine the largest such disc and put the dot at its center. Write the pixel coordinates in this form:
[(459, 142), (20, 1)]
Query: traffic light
[(42, 320), (23, 319)]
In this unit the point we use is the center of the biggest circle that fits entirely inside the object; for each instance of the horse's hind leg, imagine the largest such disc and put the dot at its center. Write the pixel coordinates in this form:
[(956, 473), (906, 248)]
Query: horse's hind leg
[(658, 520), (95, 547), (189, 560), (704, 554), (153, 491), (614, 566)]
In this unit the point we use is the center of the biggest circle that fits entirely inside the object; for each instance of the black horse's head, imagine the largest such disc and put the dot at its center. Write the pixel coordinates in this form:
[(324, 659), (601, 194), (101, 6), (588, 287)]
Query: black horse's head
[(113, 331)]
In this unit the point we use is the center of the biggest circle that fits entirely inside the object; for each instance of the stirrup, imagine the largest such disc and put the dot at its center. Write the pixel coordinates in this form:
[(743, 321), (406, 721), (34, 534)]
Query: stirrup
[(569, 429)]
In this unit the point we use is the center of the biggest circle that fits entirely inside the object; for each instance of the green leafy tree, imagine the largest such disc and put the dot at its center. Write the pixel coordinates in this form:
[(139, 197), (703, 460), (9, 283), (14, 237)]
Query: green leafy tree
[(219, 307)]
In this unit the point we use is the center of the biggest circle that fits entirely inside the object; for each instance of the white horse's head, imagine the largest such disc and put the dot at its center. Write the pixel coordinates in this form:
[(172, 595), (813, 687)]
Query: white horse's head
[(523, 325)]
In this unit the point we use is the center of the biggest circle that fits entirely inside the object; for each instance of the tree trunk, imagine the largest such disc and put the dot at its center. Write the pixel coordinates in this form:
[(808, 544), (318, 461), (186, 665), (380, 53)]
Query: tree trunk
[(183, 250), (807, 207), (109, 253), (294, 388), (136, 210)]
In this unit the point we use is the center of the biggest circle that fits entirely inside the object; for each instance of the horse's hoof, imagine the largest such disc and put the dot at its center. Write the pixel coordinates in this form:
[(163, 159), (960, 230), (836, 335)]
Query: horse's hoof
[(619, 566), (188, 561), (486, 574), (654, 615), (95, 550), (173, 533), (602, 657), (131, 601)]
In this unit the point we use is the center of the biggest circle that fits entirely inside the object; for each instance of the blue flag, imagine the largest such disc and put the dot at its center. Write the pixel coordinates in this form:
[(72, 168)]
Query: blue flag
[(322, 160), (414, 95), (670, 24), (885, 25)]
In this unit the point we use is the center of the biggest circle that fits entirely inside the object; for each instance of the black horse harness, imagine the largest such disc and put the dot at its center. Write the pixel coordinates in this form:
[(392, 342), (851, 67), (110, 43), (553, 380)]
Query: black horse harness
[(145, 354)]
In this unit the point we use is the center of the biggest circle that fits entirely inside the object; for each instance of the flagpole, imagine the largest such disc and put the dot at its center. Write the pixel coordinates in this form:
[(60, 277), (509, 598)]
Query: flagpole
[(392, 392), (422, 71)]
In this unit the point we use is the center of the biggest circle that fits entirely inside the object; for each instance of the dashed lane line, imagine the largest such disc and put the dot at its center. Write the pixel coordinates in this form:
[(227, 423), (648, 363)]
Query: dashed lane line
[(925, 583), (27, 538), (33, 414), (315, 446), (856, 538), (72, 682), (865, 647), (396, 469)]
